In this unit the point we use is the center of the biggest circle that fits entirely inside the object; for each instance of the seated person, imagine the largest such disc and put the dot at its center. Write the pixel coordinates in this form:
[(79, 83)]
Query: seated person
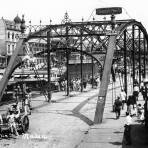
[(13, 108), (11, 121)]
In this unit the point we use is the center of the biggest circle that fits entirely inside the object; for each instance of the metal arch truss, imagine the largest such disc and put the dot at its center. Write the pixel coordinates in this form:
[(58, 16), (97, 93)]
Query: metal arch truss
[(93, 37)]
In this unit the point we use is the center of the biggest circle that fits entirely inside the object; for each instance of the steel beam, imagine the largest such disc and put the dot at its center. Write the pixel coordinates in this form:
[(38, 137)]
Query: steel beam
[(125, 62), (92, 64), (49, 64), (14, 60), (81, 58), (105, 80), (144, 60), (133, 52), (67, 60), (139, 55)]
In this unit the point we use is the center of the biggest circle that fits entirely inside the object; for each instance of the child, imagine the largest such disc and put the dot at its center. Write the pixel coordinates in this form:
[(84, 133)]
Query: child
[(11, 119)]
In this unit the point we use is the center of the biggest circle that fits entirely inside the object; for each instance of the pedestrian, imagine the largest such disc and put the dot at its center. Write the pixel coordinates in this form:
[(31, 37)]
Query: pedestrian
[(136, 91), (142, 118), (26, 107), (142, 90), (145, 90), (127, 130), (134, 101), (29, 95), (139, 111), (123, 97), (132, 105), (98, 81), (84, 83), (118, 105), (129, 103)]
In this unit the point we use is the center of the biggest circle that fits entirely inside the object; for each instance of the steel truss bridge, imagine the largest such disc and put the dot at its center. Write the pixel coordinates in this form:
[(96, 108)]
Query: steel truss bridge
[(126, 41)]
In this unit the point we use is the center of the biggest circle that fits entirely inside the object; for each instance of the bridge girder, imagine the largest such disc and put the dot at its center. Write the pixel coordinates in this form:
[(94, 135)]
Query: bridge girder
[(91, 36)]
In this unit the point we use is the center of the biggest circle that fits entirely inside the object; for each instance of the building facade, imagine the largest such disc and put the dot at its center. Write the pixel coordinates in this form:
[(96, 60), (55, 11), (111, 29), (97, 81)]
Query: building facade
[(9, 35)]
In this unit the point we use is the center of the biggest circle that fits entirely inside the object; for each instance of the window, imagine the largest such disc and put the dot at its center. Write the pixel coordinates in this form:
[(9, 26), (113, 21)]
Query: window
[(16, 36), (12, 48), (12, 35), (8, 35), (8, 50)]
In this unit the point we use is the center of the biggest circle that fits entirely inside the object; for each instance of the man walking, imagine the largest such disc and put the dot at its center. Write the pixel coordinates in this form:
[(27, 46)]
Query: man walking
[(123, 97), (118, 105), (127, 131)]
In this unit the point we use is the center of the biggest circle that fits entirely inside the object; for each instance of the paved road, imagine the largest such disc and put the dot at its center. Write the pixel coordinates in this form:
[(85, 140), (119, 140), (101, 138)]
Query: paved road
[(67, 122), (59, 124)]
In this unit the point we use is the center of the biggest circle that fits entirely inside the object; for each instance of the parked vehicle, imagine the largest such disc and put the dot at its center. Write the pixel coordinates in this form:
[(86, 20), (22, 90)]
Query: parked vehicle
[(21, 122)]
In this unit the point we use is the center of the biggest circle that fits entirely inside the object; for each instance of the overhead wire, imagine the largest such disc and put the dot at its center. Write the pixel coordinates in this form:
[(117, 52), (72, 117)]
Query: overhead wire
[(127, 13), (91, 15)]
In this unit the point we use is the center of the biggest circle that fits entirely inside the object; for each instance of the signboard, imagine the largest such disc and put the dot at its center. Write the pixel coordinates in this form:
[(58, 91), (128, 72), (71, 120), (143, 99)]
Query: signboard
[(111, 32), (101, 100), (22, 36), (109, 11)]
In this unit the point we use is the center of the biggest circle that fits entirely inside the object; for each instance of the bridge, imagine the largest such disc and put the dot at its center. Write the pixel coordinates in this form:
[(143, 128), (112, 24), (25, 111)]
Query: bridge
[(124, 42)]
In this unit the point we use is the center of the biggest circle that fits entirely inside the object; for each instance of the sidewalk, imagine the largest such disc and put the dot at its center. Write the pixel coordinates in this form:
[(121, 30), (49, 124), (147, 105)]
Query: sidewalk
[(40, 101), (68, 122), (110, 133)]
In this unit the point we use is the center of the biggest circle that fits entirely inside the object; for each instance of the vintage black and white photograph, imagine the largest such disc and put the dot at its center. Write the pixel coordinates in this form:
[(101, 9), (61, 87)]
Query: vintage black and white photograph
[(73, 74)]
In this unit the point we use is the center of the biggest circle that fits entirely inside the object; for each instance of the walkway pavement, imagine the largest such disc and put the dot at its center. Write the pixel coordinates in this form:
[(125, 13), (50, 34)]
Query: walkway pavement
[(108, 134), (68, 123)]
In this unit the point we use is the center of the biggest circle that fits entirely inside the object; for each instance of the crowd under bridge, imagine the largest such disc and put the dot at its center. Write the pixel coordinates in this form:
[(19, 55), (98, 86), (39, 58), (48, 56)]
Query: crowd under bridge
[(124, 42)]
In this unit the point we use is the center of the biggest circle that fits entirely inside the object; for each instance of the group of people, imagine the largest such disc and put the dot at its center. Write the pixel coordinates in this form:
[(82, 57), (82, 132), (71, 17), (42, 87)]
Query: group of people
[(130, 101), (15, 109), (74, 84), (23, 98), (12, 115), (133, 107)]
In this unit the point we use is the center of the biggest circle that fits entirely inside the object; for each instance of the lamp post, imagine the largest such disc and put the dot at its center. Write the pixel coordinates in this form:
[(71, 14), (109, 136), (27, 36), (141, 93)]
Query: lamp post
[(23, 27), (113, 22)]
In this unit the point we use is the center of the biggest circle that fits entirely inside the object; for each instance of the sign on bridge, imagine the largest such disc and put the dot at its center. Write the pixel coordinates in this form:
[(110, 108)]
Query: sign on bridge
[(109, 11)]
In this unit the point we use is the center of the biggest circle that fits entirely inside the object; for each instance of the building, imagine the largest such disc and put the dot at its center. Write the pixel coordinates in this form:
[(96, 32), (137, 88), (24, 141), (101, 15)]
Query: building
[(9, 35), (35, 46)]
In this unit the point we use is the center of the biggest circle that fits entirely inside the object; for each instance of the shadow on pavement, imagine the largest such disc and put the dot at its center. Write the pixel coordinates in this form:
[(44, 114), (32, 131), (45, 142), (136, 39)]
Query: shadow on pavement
[(118, 132), (76, 111), (139, 137), (116, 143), (111, 118)]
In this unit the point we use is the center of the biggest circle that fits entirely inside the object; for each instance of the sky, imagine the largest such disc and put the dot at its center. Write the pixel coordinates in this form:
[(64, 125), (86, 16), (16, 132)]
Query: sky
[(44, 10)]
